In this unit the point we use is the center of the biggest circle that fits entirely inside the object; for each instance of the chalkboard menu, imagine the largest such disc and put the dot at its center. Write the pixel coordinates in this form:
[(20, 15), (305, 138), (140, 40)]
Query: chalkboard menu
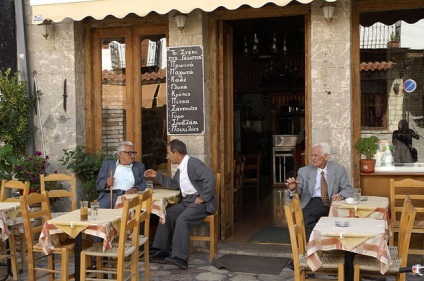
[(184, 82)]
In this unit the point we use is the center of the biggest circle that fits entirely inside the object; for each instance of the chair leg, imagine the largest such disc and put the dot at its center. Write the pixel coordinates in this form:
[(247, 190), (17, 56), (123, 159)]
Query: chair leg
[(65, 264), (146, 262), (356, 272), (83, 266), (212, 240), (13, 257), (23, 251), (340, 272)]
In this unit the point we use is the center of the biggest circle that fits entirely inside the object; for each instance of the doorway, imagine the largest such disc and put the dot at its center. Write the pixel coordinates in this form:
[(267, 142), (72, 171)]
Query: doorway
[(269, 102)]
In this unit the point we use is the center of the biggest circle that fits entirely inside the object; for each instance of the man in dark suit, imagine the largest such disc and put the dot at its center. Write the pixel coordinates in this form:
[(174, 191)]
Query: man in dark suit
[(308, 185), (197, 185), (122, 176)]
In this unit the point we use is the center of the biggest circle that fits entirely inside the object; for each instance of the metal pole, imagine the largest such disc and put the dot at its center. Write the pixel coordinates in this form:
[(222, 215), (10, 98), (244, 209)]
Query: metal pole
[(23, 64)]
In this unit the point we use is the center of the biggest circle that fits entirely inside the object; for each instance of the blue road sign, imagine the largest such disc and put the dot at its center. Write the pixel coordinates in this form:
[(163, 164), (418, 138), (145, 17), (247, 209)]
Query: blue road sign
[(409, 85)]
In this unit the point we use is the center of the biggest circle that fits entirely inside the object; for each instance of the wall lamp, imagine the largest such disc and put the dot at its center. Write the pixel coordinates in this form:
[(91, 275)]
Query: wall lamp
[(46, 28), (180, 19), (328, 11)]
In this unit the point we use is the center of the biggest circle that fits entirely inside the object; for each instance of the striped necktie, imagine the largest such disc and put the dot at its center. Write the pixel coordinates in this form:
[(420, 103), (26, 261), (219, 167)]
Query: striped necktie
[(324, 190)]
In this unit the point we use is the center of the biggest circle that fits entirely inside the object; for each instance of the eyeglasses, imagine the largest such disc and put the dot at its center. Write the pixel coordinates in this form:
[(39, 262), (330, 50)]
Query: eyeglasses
[(130, 153), (316, 156)]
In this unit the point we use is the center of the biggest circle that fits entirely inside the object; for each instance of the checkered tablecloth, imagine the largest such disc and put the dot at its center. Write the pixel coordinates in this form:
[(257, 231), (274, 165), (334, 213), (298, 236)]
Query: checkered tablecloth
[(363, 236), (10, 219)]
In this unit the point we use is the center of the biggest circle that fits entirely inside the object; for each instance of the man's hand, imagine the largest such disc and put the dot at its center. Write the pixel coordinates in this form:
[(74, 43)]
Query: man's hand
[(109, 182), (198, 200), (336, 197), (132, 190), (291, 184), (150, 173)]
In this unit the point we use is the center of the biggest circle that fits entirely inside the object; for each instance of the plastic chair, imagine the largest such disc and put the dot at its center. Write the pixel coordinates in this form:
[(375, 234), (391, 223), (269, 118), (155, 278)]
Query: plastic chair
[(332, 263), (213, 221), (120, 261), (19, 239), (61, 193), (252, 175), (399, 190), (32, 233), (371, 265)]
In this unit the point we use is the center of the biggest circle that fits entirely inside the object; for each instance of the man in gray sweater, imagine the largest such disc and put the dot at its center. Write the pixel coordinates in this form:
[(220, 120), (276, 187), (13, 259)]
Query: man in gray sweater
[(197, 185)]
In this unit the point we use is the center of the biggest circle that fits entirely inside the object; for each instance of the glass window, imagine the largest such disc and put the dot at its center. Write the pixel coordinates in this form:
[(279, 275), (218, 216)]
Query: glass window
[(391, 54), (113, 93), (153, 72)]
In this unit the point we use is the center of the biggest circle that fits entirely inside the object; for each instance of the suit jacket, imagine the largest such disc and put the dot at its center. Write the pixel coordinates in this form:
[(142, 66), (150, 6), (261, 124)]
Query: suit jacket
[(337, 182), (200, 176), (108, 165)]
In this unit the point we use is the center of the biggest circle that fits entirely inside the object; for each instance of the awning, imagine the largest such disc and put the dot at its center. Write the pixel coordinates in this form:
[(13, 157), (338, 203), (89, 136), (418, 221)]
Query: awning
[(58, 10)]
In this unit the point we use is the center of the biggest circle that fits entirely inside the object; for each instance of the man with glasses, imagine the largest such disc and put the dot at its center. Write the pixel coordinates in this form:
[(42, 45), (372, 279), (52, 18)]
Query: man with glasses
[(122, 176), (311, 182)]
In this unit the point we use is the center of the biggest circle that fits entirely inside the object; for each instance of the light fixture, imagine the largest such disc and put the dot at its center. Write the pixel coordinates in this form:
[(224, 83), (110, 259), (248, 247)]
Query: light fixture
[(45, 28), (328, 11), (180, 19)]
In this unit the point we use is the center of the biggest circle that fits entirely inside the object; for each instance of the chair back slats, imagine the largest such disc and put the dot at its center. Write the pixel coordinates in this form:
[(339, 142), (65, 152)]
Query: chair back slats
[(11, 185), (399, 191), (61, 193), (406, 224)]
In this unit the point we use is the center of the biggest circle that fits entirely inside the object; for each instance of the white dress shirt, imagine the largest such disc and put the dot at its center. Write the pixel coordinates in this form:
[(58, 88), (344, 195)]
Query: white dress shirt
[(124, 177), (186, 186)]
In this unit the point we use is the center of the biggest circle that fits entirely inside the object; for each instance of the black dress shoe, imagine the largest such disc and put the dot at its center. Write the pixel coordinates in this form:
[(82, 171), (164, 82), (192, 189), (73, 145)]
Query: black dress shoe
[(182, 264), (290, 265), (158, 256)]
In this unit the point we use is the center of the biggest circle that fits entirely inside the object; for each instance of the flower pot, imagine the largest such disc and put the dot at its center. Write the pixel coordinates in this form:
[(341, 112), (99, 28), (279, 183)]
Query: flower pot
[(367, 166)]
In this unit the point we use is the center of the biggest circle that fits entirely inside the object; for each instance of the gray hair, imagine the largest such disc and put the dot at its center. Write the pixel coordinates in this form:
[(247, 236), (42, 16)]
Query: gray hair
[(121, 146), (325, 148)]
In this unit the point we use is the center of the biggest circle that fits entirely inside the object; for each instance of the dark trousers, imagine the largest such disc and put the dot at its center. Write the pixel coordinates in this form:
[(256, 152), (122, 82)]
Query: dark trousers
[(180, 219), (312, 212)]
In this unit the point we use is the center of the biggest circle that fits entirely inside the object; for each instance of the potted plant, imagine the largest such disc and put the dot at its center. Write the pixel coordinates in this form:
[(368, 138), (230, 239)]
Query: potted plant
[(368, 147), (86, 167), (29, 168), (394, 40)]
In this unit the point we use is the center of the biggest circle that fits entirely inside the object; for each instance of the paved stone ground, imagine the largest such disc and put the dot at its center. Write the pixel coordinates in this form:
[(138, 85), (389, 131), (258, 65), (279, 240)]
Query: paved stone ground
[(201, 269)]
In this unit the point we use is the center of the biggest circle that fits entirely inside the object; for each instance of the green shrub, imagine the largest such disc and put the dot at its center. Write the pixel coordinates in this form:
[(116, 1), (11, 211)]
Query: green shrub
[(15, 110), (86, 167)]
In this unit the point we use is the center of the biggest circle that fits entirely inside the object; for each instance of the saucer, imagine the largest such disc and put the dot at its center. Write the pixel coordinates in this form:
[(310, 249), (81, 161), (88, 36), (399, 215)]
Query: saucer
[(352, 203)]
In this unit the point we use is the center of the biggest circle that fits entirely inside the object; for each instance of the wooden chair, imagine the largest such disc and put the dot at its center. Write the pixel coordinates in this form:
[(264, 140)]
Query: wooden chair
[(237, 189), (10, 253), (399, 190), (332, 263), (19, 239), (143, 239), (61, 193), (371, 265), (120, 261), (252, 175), (12, 185), (213, 221), (32, 233)]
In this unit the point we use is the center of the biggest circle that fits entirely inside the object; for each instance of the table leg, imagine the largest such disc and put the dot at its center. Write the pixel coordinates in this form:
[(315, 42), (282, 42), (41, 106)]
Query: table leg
[(348, 267), (78, 249)]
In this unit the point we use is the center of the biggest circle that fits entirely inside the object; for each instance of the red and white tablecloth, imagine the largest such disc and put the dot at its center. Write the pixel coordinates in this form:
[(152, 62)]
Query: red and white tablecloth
[(10, 219)]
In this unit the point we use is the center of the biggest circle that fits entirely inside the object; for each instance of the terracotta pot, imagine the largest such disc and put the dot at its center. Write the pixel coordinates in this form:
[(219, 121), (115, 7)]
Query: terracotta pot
[(368, 166)]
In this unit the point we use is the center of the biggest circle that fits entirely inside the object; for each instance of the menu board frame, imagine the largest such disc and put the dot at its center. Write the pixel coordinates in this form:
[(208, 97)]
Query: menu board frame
[(185, 105)]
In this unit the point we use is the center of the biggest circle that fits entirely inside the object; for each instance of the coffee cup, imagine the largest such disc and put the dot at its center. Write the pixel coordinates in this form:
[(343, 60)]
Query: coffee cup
[(350, 200)]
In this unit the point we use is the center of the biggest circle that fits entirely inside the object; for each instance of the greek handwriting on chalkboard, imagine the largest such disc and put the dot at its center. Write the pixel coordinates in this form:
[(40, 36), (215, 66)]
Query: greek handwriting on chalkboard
[(184, 83)]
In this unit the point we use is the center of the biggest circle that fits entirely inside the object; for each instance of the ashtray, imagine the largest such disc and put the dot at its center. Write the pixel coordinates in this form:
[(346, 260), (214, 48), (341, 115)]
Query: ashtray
[(342, 223)]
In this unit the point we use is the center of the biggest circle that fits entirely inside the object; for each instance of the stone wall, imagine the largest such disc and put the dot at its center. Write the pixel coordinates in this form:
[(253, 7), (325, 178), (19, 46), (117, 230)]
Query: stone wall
[(331, 81)]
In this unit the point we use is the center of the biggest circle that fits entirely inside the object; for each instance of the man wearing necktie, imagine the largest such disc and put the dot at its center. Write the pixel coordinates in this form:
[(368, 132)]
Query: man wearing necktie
[(318, 185), (197, 185)]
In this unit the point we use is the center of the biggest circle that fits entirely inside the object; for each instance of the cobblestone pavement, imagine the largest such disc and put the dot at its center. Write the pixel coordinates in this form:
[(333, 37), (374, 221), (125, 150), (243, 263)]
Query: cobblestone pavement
[(201, 269)]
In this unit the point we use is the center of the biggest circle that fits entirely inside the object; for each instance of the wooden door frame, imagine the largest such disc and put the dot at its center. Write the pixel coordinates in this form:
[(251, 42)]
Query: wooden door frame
[(360, 6), (149, 25), (216, 111)]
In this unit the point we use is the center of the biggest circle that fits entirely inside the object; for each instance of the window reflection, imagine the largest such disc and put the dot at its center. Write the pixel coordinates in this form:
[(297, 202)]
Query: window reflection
[(153, 62), (113, 93), (391, 52)]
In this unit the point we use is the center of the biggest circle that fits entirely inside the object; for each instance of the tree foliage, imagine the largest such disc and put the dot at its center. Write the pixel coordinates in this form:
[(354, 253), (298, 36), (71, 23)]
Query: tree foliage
[(15, 109)]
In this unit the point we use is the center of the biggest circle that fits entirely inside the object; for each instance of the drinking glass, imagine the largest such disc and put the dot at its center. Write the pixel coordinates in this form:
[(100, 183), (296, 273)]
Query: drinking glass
[(357, 194), (94, 209), (84, 210), (149, 184)]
